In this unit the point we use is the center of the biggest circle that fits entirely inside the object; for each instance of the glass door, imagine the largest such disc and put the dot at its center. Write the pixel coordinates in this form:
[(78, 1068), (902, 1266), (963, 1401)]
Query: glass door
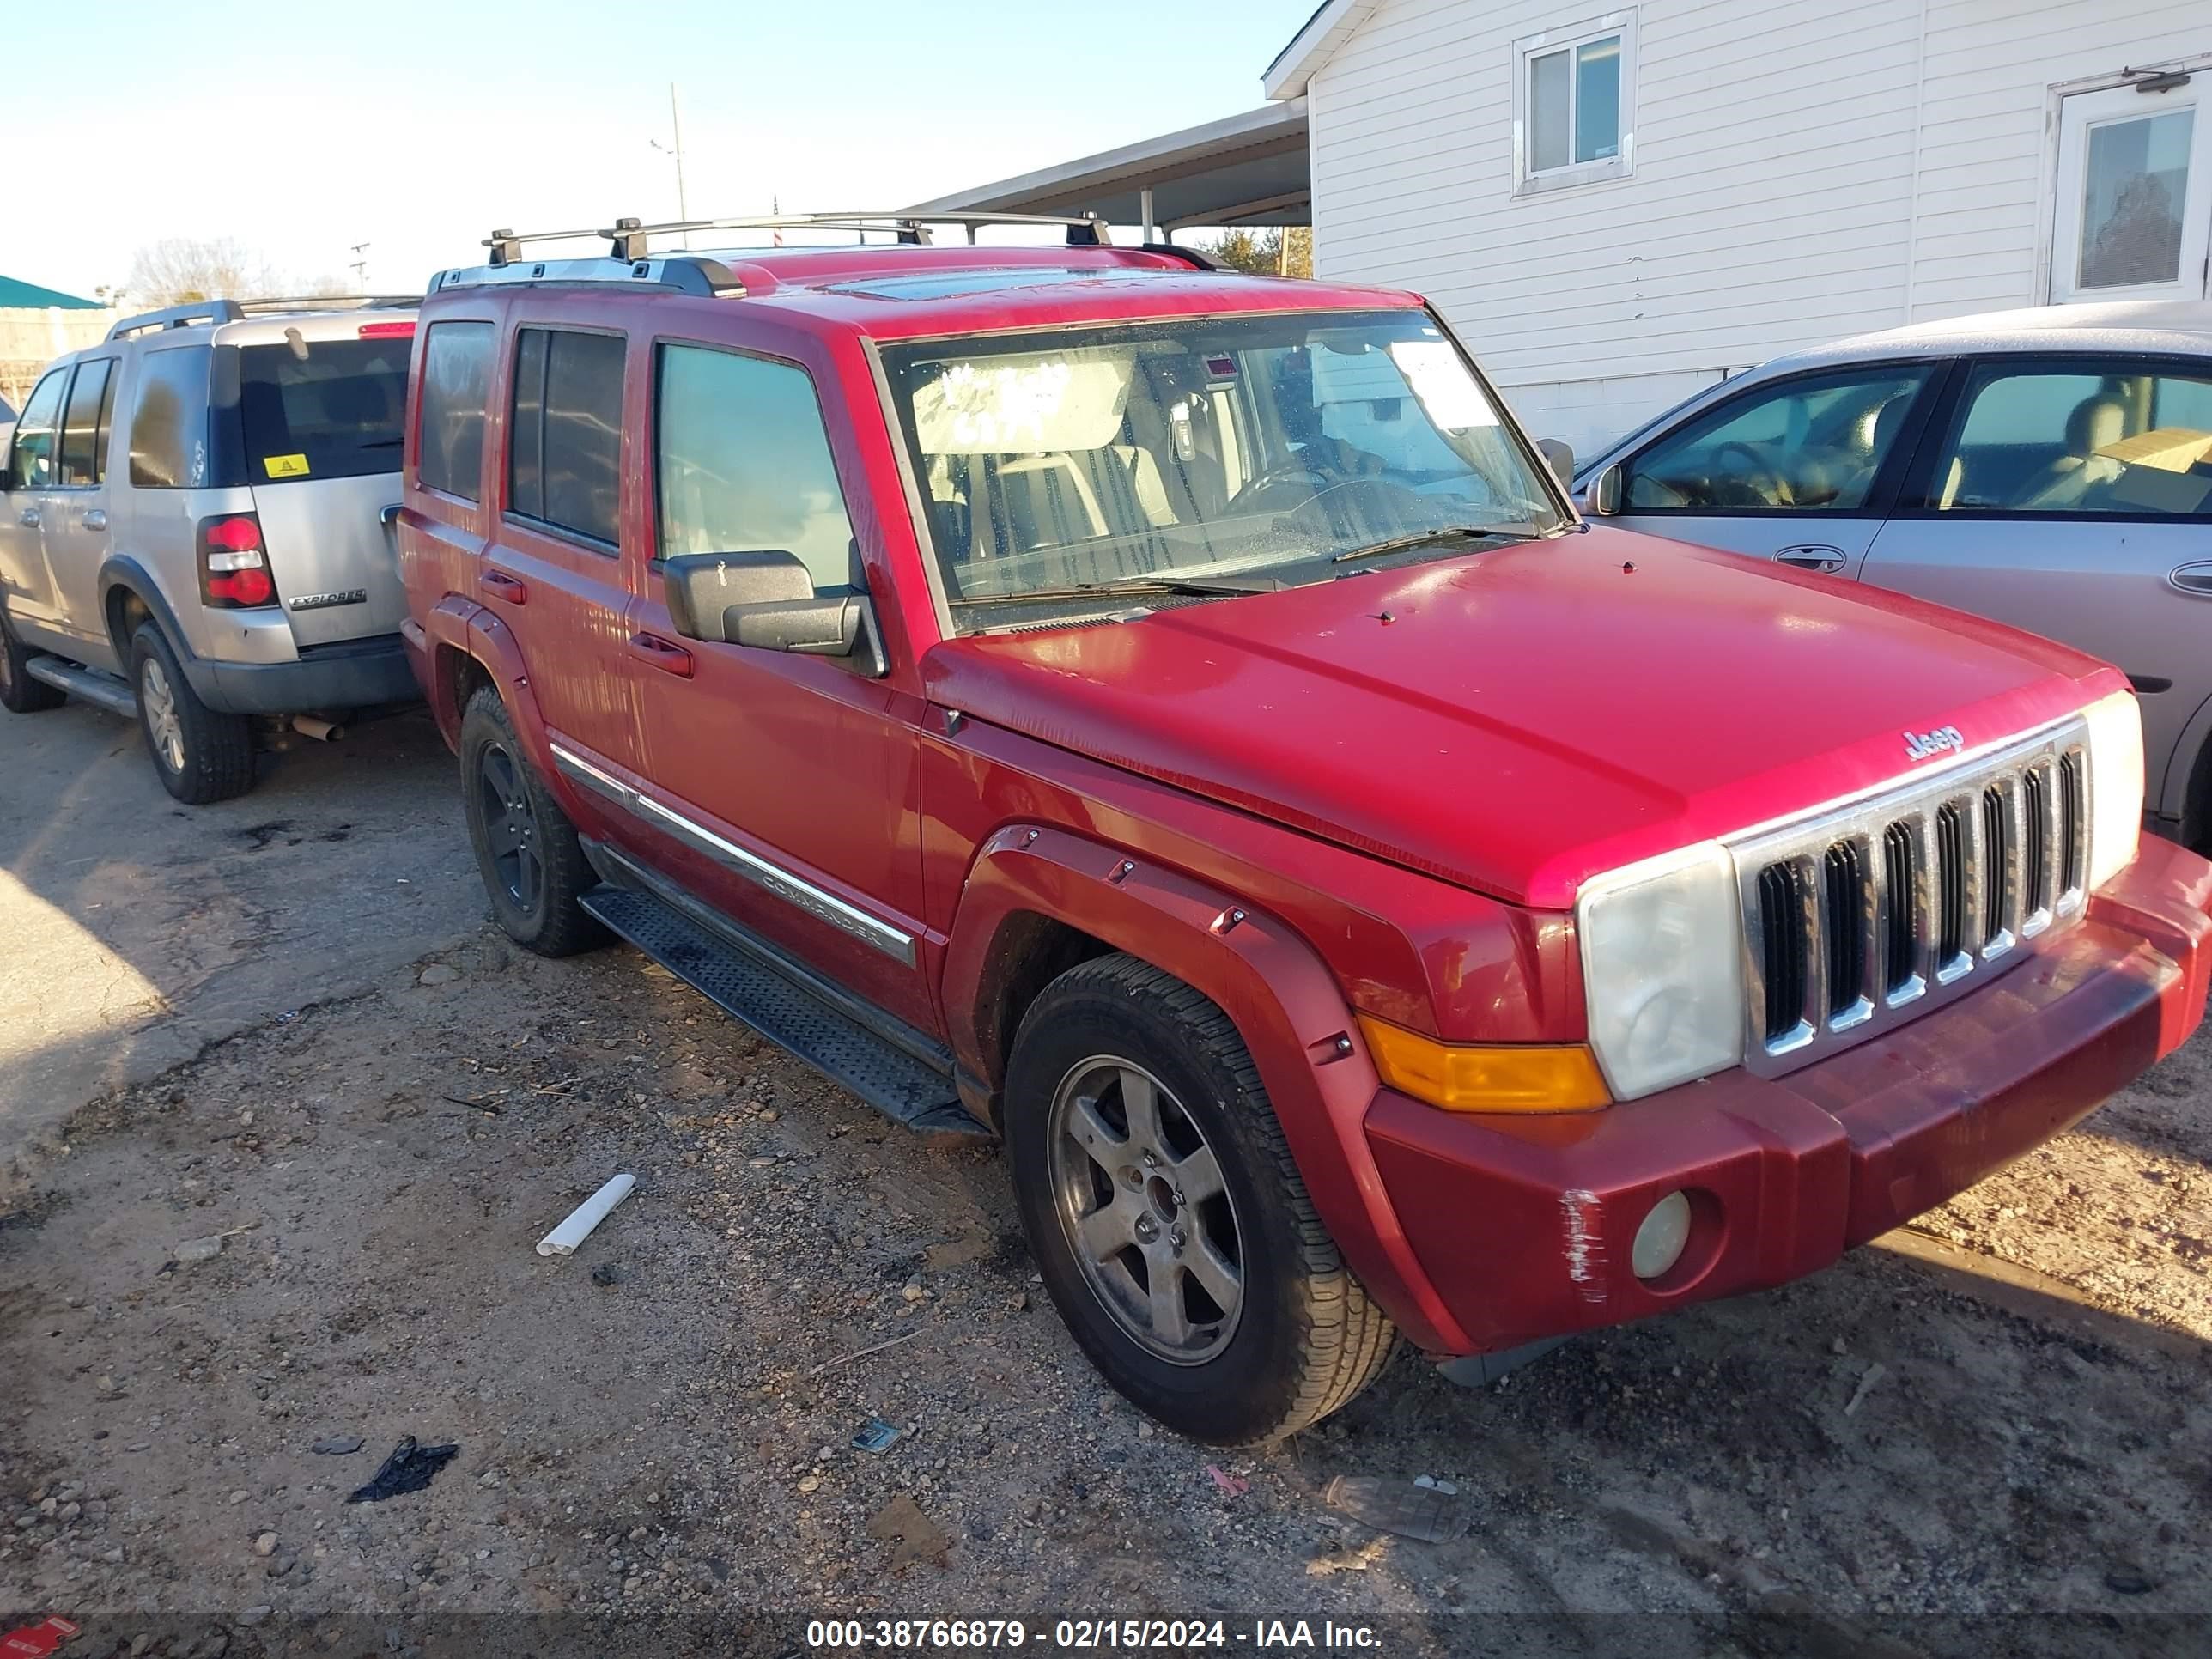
[(2135, 195)]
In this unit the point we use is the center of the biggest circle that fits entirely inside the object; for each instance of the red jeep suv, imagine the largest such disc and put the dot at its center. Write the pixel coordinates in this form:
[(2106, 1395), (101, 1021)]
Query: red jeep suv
[(1173, 720)]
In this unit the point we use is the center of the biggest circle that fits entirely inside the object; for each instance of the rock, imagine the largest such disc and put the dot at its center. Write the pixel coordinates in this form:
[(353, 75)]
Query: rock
[(438, 973), (337, 1446), (2125, 1580), (239, 1497), (199, 1250), (811, 1483), (913, 1291), (253, 1616), (265, 1545), (607, 1275)]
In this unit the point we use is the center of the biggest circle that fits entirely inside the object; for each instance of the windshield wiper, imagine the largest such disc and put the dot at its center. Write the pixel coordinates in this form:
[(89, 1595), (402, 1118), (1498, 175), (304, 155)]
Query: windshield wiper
[(1123, 585), (1449, 532)]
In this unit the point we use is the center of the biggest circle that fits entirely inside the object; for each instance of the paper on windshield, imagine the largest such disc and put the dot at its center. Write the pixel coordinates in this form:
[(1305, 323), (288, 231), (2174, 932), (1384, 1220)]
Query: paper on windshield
[(1452, 397), (1057, 400)]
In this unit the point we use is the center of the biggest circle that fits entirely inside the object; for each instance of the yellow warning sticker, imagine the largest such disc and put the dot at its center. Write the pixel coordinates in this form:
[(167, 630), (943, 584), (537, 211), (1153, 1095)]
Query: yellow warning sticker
[(286, 467)]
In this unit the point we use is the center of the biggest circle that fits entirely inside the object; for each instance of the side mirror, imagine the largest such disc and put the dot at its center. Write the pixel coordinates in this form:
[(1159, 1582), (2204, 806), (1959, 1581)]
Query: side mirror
[(766, 599), (1562, 458), (1605, 491)]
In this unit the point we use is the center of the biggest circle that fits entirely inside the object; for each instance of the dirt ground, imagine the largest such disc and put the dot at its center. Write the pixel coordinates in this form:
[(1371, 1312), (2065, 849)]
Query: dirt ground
[(1990, 1434)]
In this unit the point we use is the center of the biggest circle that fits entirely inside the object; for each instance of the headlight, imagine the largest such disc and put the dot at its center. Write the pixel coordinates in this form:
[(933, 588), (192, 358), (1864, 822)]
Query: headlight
[(2116, 785), (1662, 969)]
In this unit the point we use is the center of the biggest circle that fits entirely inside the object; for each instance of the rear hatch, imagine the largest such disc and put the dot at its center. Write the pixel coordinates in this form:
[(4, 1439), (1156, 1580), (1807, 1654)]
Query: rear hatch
[(322, 403)]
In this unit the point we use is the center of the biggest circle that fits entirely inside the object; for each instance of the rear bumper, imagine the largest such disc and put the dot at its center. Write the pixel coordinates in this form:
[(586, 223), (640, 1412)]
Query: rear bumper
[(355, 674), (1523, 1226)]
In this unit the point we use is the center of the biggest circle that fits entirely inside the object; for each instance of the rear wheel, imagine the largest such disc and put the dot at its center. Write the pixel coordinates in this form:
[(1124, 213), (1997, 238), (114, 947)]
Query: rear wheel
[(19, 693), (203, 754), (1168, 1218), (533, 867)]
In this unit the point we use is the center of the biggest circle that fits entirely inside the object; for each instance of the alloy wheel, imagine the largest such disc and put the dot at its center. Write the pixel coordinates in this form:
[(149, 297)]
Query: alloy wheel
[(510, 827), (1145, 1209), (159, 703)]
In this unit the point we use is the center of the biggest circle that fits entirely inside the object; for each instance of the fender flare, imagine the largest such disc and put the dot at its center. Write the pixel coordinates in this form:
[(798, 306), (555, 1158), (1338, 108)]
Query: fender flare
[(123, 570), (1282, 999), (2193, 752)]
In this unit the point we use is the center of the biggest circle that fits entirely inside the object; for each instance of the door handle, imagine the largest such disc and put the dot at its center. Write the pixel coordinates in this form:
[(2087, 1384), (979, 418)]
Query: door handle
[(1811, 558), (2195, 579), (29, 518), (95, 519), (501, 586), (668, 658)]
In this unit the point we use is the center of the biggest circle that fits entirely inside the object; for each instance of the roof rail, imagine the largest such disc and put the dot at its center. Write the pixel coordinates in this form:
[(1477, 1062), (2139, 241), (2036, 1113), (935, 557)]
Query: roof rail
[(690, 273), (313, 301), (630, 240), (200, 310)]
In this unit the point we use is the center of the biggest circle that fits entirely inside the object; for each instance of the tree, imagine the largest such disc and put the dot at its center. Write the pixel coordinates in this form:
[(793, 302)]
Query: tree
[(182, 270), (1274, 252)]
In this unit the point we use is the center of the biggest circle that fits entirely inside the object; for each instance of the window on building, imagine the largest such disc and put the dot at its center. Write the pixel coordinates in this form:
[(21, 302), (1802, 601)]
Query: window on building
[(456, 381), (1573, 104), (564, 457), (744, 464), (2117, 439)]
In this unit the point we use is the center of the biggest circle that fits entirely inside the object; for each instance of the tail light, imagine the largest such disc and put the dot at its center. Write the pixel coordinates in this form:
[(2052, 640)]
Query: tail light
[(385, 332), (233, 568)]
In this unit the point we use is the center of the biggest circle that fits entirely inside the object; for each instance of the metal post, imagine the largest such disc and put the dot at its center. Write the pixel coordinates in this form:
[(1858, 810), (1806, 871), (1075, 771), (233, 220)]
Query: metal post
[(675, 130), (1145, 212)]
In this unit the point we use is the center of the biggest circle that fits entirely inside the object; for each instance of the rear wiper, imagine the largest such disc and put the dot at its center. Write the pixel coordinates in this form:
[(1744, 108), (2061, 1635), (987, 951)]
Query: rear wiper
[(1450, 532), (1124, 585)]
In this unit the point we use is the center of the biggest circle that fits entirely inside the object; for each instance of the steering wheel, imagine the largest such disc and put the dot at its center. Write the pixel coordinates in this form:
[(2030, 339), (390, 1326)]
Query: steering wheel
[(1285, 472), (1755, 473)]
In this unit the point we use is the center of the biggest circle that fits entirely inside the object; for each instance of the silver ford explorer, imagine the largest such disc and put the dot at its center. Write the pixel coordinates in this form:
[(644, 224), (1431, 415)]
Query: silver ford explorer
[(194, 529)]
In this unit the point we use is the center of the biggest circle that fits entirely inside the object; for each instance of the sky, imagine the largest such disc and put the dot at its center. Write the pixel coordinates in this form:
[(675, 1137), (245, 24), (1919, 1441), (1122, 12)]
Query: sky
[(301, 130)]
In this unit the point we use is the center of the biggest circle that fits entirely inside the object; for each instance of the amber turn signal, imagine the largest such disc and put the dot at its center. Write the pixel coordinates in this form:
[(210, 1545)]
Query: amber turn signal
[(1492, 1077)]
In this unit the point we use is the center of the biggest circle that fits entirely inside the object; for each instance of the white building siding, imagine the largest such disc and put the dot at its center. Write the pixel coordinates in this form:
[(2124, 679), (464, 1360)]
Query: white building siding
[(1801, 174)]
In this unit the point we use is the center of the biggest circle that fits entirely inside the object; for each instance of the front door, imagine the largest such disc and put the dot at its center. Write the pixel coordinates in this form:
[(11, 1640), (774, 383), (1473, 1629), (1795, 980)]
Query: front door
[(1794, 470), (2134, 205), (33, 469), (794, 780), (2072, 496)]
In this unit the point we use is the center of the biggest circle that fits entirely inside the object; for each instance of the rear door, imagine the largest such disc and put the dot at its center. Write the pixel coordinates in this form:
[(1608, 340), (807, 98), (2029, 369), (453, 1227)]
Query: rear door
[(321, 418), (2072, 496), (1798, 470), (77, 538)]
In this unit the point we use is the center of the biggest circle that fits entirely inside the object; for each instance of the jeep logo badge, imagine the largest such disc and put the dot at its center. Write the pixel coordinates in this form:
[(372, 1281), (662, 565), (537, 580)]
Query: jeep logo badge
[(1919, 745)]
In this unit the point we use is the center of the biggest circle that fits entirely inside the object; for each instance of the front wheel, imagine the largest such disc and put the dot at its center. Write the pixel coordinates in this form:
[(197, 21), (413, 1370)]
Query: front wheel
[(203, 754), (1168, 1218), (19, 693)]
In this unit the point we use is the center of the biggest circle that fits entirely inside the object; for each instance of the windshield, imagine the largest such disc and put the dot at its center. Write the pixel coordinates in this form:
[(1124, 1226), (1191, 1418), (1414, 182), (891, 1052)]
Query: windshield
[(1251, 451), (322, 409)]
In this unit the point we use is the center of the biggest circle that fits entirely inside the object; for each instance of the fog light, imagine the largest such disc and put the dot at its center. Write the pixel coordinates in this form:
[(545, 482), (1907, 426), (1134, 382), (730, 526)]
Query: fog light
[(1659, 1240)]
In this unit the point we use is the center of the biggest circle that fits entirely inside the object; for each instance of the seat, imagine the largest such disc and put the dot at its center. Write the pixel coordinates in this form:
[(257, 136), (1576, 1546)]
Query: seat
[(2098, 420)]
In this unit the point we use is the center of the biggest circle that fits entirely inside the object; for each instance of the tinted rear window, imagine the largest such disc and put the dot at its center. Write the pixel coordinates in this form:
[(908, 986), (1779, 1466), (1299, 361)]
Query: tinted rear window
[(336, 411)]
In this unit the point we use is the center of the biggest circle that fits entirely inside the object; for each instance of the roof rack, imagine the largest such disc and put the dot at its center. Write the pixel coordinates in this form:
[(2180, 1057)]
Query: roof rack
[(213, 312), (630, 240)]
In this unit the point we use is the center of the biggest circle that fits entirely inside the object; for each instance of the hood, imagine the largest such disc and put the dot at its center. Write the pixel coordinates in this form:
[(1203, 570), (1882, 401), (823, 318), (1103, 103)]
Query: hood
[(1516, 720)]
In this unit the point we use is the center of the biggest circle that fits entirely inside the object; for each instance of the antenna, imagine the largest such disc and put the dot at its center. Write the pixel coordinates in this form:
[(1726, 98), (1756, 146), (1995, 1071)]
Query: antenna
[(360, 265), (676, 150)]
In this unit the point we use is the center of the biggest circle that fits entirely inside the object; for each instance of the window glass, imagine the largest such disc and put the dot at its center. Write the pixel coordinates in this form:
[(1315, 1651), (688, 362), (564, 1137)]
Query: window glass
[(322, 409), (2133, 187), (80, 468), (565, 456), (30, 456), (1597, 100), (1548, 113), (168, 420), (1810, 443), (2130, 442), (744, 464), (456, 384)]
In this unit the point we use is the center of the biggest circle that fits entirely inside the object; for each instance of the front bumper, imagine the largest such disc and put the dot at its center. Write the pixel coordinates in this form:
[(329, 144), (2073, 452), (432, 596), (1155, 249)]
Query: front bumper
[(352, 674), (1523, 1224)]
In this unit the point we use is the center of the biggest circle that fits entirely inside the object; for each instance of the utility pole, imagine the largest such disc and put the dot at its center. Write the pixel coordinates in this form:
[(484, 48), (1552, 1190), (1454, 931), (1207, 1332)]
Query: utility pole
[(361, 266), (676, 150)]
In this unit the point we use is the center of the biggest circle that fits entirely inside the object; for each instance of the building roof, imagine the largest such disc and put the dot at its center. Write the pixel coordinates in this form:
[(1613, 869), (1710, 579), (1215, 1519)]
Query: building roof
[(1249, 168), (16, 294), (1331, 25)]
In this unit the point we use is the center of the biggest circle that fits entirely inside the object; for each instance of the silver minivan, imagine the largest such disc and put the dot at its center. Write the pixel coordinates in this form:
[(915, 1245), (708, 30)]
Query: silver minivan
[(195, 529), (2050, 468)]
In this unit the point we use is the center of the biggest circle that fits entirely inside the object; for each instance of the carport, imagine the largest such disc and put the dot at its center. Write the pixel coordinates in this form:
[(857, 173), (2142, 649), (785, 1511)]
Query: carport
[(1248, 169)]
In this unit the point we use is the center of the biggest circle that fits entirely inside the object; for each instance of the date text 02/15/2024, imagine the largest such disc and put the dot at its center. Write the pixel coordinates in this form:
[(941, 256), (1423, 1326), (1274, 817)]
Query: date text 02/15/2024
[(1088, 1635)]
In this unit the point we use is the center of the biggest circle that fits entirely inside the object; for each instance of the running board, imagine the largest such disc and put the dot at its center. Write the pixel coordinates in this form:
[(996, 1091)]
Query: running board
[(105, 689), (893, 1082)]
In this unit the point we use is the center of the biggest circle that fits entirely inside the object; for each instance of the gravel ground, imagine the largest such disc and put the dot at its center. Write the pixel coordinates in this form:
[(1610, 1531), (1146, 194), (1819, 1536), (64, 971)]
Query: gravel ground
[(321, 1230)]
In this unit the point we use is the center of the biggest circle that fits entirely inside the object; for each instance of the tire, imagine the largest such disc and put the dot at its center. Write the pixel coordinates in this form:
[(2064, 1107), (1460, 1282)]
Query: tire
[(19, 693), (533, 867), (1231, 1361), (202, 754)]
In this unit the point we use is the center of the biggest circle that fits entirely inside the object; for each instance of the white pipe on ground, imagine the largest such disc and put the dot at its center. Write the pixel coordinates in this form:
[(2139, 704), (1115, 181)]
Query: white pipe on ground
[(564, 1238)]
